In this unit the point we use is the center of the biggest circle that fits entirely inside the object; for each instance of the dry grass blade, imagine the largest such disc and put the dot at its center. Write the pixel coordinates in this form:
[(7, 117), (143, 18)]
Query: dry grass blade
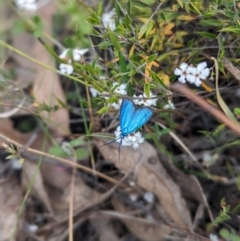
[(221, 102), (206, 106), (235, 71)]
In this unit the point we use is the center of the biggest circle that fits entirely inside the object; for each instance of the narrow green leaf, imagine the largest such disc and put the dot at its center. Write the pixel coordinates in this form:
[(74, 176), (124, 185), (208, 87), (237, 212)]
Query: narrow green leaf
[(147, 89), (207, 35), (123, 67), (114, 40)]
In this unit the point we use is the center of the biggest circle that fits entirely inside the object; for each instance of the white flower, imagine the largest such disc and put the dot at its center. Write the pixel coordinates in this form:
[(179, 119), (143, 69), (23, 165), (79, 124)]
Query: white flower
[(65, 69), (135, 99), (213, 237), (200, 73), (94, 92), (193, 75), (67, 148), (32, 228), (133, 197), (116, 105), (182, 72), (78, 54), (63, 55), (148, 197), (108, 20), (28, 5), (16, 164), (203, 70), (170, 105), (144, 100), (133, 139), (121, 89)]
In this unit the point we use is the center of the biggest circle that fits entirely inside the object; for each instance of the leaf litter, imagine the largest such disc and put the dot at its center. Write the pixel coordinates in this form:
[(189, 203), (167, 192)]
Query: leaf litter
[(150, 197)]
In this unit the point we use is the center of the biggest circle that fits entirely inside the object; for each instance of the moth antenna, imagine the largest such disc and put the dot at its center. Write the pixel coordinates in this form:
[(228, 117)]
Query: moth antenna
[(119, 147), (110, 142)]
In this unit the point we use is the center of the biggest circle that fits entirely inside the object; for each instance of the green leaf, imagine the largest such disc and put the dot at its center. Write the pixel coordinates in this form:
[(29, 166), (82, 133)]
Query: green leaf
[(207, 35), (114, 40), (161, 15), (146, 29), (224, 233), (57, 151), (105, 44), (212, 23), (38, 26), (168, 16), (147, 89), (77, 142), (103, 110), (123, 67), (81, 153), (231, 29)]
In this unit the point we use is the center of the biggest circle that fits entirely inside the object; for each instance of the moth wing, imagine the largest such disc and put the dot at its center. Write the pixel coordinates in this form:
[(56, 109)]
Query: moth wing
[(126, 111), (139, 118)]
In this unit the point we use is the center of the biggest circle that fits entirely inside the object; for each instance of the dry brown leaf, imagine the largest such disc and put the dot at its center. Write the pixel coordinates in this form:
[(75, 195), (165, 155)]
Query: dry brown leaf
[(105, 229), (151, 176), (47, 87), (7, 129), (235, 71), (146, 232), (83, 197), (10, 201), (194, 190), (55, 176), (30, 173)]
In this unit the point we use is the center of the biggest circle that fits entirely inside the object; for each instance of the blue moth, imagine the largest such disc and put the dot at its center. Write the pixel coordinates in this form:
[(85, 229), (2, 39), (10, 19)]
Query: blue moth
[(131, 119)]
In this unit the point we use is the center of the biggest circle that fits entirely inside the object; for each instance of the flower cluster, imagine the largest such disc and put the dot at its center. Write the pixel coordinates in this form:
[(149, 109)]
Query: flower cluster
[(108, 20), (144, 100), (117, 88), (77, 55), (191, 74), (28, 5), (133, 139)]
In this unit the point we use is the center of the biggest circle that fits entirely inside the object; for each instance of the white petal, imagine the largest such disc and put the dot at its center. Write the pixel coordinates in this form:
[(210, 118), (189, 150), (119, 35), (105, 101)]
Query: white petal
[(170, 105), (191, 70), (135, 145), (108, 20), (177, 71), (200, 67), (205, 73), (115, 106), (66, 69), (191, 78), (198, 82), (94, 92), (117, 132), (183, 66), (135, 100), (182, 79), (63, 55)]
